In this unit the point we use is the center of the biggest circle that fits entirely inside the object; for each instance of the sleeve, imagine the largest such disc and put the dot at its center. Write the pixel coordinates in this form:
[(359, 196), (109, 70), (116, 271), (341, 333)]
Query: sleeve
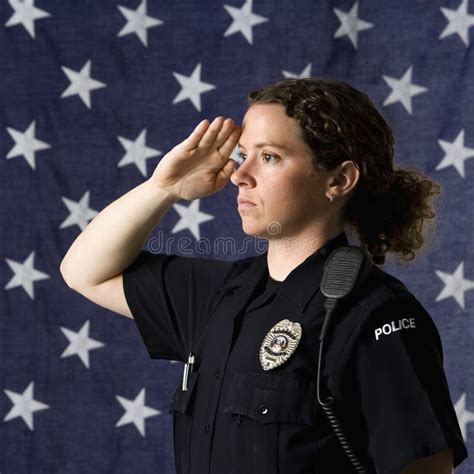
[(403, 389), (169, 297)]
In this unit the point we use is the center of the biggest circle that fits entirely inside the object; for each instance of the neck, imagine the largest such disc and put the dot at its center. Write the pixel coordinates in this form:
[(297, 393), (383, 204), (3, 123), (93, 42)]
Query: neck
[(285, 254)]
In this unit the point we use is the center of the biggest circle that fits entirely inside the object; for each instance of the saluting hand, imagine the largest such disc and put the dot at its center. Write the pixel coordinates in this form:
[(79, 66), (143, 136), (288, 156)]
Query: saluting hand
[(200, 165)]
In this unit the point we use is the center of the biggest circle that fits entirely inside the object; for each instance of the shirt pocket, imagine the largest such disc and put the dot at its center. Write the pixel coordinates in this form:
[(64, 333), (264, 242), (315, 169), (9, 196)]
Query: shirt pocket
[(181, 407), (272, 424)]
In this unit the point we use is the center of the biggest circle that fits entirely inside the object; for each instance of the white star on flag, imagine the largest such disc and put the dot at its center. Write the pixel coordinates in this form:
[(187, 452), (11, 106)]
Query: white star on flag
[(80, 343), (25, 275), (455, 285), (136, 411), (138, 22), (26, 144), (456, 154), (350, 24), (25, 14), (80, 212), (137, 152), (24, 405), (243, 20), (192, 87), (402, 90), (306, 72), (191, 217), (459, 21), (81, 83), (463, 415)]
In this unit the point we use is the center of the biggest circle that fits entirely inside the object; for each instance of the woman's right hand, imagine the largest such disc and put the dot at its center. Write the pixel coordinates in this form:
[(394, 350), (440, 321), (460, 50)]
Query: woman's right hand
[(200, 165)]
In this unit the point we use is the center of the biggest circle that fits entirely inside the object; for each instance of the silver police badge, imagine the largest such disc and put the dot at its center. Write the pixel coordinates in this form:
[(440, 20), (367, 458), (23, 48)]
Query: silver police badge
[(280, 342)]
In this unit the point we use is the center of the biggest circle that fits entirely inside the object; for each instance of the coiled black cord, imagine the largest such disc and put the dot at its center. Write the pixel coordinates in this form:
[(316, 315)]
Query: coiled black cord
[(327, 405)]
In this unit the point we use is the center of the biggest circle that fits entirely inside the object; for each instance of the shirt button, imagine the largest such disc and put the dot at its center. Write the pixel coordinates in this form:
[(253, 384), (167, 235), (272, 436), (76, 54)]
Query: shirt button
[(263, 409), (217, 373), (206, 429), (323, 250)]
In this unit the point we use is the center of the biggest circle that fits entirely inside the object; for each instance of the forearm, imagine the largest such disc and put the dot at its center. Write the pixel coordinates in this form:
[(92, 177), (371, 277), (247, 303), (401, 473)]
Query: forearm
[(114, 238)]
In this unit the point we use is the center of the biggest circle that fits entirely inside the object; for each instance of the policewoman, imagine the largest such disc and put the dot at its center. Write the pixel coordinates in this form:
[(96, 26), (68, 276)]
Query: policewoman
[(315, 164)]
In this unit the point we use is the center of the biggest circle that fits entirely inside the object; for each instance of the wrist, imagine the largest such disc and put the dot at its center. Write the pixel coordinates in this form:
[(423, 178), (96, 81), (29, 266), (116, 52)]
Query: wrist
[(161, 194)]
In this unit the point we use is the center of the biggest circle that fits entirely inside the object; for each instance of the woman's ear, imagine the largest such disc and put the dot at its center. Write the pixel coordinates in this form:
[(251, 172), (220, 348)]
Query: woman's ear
[(343, 179)]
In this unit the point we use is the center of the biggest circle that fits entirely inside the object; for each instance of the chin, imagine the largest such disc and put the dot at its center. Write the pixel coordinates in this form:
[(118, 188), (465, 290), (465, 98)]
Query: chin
[(252, 231)]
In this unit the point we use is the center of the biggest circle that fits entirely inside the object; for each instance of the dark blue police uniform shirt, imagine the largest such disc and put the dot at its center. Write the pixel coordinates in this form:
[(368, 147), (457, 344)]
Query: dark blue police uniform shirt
[(393, 398)]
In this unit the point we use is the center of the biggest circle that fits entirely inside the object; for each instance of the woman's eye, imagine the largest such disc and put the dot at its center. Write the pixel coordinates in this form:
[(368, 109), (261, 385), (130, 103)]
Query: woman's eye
[(265, 155), (268, 154)]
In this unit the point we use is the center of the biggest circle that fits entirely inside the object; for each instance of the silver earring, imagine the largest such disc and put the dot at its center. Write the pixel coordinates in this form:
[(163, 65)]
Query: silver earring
[(331, 198)]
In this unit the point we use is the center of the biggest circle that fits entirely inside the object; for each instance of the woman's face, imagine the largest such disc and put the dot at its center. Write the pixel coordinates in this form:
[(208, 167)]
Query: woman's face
[(288, 194)]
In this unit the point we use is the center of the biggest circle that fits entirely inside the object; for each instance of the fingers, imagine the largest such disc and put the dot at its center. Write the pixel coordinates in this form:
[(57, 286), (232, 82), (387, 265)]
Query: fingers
[(224, 174), (196, 135), (221, 134), (231, 142), (224, 132), (211, 133)]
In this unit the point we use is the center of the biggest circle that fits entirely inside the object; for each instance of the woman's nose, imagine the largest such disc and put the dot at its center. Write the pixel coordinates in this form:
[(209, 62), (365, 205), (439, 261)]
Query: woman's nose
[(235, 176), (242, 173)]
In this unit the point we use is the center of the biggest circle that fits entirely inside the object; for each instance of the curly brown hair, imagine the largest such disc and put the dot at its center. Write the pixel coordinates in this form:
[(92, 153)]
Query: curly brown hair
[(389, 207)]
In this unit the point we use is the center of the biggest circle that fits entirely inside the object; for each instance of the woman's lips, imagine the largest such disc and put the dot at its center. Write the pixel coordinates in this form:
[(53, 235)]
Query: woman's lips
[(243, 203)]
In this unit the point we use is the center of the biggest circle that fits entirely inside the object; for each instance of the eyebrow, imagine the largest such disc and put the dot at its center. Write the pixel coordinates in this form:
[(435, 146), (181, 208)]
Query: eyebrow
[(263, 144)]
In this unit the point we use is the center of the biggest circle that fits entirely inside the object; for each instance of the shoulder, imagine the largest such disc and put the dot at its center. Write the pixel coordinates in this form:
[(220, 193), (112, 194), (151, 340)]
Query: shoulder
[(389, 306), (383, 302), (382, 290), (386, 285), (382, 317)]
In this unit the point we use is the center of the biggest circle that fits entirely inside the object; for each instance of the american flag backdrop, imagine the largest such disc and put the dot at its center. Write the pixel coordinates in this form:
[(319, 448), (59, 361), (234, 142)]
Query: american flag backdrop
[(93, 93)]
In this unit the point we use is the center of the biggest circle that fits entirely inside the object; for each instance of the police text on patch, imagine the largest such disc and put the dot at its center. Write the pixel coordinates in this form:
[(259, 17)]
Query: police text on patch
[(386, 329)]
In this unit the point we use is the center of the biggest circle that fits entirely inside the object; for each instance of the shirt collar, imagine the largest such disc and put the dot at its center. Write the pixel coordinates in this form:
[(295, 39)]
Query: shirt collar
[(301, 283)]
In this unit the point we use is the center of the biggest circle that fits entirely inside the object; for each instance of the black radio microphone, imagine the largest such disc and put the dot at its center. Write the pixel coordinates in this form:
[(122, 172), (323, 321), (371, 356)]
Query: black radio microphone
[(345, 269)]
